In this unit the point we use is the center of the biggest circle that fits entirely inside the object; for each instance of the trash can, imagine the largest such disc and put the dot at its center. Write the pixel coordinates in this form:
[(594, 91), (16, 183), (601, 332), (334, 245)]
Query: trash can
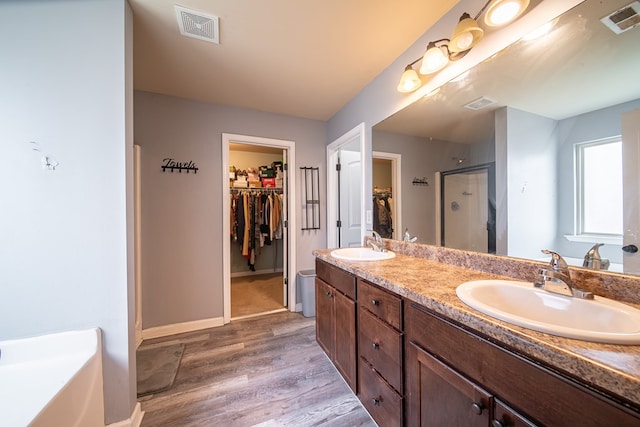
[(307, 286)]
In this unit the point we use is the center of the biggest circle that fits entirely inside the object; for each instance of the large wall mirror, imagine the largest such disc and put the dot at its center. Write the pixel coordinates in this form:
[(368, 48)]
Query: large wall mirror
[(539, 111)]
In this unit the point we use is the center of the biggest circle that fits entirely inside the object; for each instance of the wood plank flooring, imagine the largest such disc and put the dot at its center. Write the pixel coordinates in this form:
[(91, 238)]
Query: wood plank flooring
[(262, 371)]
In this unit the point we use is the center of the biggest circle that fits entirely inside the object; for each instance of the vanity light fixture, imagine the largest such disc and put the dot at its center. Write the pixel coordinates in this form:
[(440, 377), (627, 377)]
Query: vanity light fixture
[(465, 36), (409, 81)]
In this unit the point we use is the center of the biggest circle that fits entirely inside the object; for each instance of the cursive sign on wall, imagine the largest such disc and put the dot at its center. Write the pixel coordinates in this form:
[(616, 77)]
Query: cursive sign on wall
[(172, 164)]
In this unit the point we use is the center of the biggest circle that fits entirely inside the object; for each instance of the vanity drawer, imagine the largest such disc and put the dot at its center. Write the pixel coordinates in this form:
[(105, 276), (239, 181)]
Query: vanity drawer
[(381, 346), (381, 401), (339, 279), (383, 304)]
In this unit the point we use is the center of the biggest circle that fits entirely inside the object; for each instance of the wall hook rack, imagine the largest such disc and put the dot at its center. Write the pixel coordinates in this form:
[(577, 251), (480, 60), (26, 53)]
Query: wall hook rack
[(420, 181), (172, 165)]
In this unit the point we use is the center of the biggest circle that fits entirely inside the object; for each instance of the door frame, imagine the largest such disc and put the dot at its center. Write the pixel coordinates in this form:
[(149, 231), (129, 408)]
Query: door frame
[(396, 187), (137, 239), (631, 188), (290, 231), (333, 148)]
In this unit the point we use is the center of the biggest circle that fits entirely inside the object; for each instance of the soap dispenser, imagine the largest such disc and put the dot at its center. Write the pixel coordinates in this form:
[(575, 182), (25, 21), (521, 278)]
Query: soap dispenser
[(593, 260)]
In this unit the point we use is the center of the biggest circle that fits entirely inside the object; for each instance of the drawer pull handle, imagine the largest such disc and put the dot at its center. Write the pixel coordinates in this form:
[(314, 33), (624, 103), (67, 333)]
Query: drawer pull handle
[(477, 408), (496, 423), (375, 346), (329, 294), (375, 401), (375, 302)]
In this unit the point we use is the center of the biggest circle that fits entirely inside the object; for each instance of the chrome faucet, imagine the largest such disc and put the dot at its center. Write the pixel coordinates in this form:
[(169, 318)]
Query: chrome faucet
[(407, 237), (557, 279), (593, 259), (378, 246)]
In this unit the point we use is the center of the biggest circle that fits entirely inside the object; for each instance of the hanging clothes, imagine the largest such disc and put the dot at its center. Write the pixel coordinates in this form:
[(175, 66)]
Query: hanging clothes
[(256, 221), (382, 221)]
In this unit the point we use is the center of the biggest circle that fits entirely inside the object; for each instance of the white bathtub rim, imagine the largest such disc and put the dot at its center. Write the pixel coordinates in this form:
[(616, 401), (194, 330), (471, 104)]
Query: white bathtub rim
[(23, 394)]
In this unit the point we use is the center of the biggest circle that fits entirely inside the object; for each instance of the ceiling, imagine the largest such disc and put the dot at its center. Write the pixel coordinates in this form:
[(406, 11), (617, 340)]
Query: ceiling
[(298, 58), (578, 67)]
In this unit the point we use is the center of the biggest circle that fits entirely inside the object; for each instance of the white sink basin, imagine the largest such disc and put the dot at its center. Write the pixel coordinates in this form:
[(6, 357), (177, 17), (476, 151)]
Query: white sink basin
[(600, 320), (361, 254)]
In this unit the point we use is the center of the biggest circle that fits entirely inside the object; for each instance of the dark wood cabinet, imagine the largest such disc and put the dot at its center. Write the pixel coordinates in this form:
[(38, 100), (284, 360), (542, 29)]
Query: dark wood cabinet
[(336, 319), (411, 366), (381, 354), (443, 396), (476, 373)]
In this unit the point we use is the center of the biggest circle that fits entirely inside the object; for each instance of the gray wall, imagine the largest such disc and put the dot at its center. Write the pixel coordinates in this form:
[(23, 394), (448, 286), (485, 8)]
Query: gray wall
[(65, 244), (531, 184), (182, 214)]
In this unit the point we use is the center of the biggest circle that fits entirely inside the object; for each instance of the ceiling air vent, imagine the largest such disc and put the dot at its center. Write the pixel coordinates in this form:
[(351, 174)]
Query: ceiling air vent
[(197, 24), (479, 103), (623, 19)]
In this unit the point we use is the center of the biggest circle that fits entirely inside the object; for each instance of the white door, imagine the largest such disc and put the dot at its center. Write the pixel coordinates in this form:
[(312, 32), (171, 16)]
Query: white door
[(352, 178), (350, 198), (631, 190)]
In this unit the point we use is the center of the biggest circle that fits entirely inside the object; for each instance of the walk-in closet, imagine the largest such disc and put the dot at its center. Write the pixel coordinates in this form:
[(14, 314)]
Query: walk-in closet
[(257, 212)]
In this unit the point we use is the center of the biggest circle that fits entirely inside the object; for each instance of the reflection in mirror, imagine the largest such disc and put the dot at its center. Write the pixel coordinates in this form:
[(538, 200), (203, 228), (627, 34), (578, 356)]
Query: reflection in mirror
[(527, 109), (467, 212)]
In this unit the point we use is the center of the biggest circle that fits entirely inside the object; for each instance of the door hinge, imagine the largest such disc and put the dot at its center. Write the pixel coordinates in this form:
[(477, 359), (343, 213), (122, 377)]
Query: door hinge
[(286, 280), (338, 223), (338, 167), (286, 223), (285, 167)]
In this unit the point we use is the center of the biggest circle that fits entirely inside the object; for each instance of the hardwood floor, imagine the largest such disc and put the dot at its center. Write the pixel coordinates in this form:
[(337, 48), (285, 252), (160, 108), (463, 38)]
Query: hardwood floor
[(262, 371)]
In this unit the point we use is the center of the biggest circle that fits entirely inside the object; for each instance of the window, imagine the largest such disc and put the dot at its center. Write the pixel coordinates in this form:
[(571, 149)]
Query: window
[(599, 188)]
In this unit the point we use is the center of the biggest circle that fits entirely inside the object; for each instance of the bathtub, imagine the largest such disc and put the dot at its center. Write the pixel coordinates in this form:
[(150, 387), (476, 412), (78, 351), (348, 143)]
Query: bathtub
[(52, 380)]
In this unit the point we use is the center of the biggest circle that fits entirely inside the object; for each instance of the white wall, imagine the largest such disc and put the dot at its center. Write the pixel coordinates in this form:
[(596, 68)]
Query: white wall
[(64, 241), (182, 214)]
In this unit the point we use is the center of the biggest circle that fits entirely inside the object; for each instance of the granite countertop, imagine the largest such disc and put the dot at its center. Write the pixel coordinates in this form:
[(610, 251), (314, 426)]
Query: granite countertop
[(614, 369)]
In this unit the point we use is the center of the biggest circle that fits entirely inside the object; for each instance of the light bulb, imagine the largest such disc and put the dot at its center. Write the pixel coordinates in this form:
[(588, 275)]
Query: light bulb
[(434, 60), (409, 81), (501, 12), (464, 41)]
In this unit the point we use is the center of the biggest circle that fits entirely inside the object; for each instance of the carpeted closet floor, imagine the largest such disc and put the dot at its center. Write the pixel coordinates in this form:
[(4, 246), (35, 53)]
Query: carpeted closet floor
[(256, 294)]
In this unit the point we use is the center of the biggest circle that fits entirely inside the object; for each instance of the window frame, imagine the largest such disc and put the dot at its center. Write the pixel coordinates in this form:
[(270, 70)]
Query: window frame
[(580, 234)]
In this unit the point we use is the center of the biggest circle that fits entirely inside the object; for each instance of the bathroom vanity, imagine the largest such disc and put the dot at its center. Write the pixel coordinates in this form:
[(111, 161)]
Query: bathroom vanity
[(422, 357)]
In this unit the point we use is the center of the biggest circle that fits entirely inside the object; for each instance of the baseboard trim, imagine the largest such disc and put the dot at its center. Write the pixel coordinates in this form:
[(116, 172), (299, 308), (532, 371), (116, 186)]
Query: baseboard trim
[(298, 307), (135, 420), (179, 328)]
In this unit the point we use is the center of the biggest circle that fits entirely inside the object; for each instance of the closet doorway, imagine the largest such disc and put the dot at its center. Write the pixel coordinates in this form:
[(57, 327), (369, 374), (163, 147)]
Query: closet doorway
[(387, 194), (259, 249)]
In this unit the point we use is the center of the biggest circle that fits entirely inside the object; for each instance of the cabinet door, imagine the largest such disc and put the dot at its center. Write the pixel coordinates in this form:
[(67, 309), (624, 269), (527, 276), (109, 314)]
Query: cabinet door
[(345, 338), (442, 397), (325, 318)]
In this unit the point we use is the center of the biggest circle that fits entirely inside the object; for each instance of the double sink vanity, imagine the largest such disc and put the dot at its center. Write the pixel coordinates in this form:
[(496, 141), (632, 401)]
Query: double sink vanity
[(404, 336)]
